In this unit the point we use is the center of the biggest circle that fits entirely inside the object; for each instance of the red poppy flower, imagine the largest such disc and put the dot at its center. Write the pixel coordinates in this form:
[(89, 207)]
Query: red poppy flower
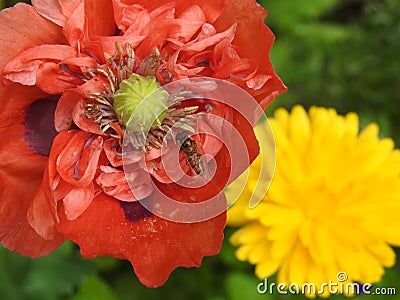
[(67, 68)]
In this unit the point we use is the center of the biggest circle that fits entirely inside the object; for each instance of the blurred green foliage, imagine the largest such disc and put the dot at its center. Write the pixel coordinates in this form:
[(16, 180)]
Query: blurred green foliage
[(45, 278), (8, 3), (342, 54), (335, 53)]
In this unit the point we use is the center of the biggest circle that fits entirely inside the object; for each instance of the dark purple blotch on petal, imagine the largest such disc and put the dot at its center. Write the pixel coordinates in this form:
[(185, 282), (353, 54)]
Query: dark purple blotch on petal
[(134, 211), (39, 124), (117, 31)]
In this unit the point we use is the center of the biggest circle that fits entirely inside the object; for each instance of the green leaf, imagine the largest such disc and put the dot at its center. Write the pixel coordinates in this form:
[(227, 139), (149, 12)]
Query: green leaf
[(94, 288), (287, 14), (106, 263), (242, 286), (323, 32), (44, 278), (13, 271), (57, 274)]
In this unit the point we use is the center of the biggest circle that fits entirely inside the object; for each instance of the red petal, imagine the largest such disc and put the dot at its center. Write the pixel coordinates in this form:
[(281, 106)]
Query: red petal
[(51, 10), (249, 16), (69, 6), (134, 23), (179, 70), (77, 162), (18, 34), (42, 61), (167, 168), (15, 232), (56, 11), (60, 82), (154, 246), (127, 15), (100, 33), (82, 121), (114, 183), (110, 147), (215, 127), (77, 201), (64, 113), (189, 21), (161, 25), (21, 171), (229, 65), (246, 132), (212, 9), (208, 191), (104, 26), (212, 40), (42, 212), (258, 81), (115, 159), (75, 25), (203, 59)]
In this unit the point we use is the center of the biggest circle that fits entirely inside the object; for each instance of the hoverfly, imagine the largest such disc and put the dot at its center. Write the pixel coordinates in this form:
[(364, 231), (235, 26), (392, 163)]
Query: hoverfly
[(191, 152)]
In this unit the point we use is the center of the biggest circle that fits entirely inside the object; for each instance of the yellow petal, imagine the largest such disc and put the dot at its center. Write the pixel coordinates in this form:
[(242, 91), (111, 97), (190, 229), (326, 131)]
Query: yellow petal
[(282, 247), (242, 253), (259, 252), (267, 267), (281, 116), (250, 233), (383, 253), (300, 260), (299, 129), (352, 125)]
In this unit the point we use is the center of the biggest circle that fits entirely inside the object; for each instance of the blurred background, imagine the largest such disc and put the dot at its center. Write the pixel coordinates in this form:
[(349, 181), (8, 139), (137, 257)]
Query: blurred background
[(334, 53)]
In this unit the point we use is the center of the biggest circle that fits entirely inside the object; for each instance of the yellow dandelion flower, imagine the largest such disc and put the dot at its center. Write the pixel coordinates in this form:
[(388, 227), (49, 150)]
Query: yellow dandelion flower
[(333, 205)]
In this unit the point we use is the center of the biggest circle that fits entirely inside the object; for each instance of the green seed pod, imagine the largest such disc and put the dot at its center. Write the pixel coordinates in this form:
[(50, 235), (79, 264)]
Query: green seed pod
[(140, 103)]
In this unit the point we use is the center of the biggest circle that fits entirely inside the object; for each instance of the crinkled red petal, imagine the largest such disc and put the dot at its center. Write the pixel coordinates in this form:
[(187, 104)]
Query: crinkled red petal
[(16, 39), (127, 15), (114, 183), (56, 11), (104, 26), (164, 168), (70, 108), (21, 171), (73, 159), (249, 16), (212, 9), (153, 245), (42, 212), (133, 22), (75, 26), (37, 64), (189, 21), (77, 200), (51, 10), (81, 120), (205, 192), (69, 6), (77, 162)]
